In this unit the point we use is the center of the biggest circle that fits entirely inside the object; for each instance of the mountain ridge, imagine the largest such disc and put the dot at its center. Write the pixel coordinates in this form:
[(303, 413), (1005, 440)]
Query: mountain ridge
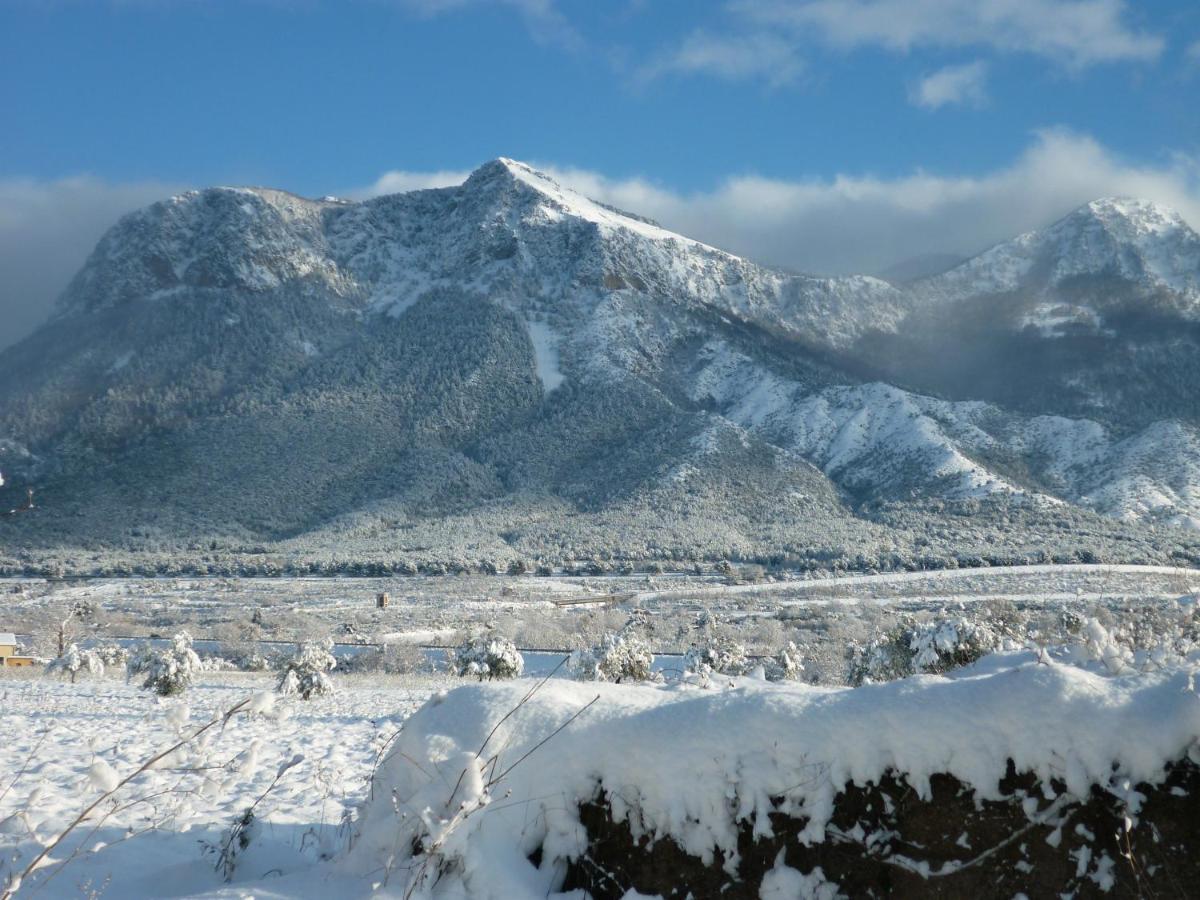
[(508, 341)]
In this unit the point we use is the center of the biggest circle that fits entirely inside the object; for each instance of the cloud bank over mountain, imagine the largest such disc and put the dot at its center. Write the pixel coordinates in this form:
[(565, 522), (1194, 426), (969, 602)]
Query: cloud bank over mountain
[(47, 229)]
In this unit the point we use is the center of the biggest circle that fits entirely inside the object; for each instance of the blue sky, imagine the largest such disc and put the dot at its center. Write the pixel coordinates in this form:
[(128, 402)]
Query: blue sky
[(752, 123), (320, 95)]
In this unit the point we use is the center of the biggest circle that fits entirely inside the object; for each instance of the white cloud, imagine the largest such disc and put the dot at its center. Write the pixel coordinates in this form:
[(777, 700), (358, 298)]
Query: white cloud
[(398, 181), (47, 229), (860, 223), (737, 57), (965, 84), (1075, 33)]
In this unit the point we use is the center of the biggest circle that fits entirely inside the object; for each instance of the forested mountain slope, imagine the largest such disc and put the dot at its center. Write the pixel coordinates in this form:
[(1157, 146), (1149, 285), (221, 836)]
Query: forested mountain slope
[(508, 370)]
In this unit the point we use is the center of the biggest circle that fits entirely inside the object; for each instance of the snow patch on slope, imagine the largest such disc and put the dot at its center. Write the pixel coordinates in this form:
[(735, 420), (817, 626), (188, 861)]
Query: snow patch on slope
[(872, 436), (1152, 475), (545, 354)]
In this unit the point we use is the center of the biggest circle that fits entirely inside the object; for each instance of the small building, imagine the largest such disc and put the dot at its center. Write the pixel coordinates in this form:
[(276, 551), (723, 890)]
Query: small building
[(8, 652), (382, 601)]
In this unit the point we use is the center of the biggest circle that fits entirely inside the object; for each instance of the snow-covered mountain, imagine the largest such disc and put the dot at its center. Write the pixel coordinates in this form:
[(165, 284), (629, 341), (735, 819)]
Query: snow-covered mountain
[(1096, 316), (511, 360), (879, 440), (1141, 242)]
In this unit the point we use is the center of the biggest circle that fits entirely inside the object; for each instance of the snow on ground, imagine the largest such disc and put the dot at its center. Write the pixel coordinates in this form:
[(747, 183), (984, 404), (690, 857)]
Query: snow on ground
[(684, 759), (481, 790), (821, 615), (545, 355), (62, 743), (419, 636), (990, 582)]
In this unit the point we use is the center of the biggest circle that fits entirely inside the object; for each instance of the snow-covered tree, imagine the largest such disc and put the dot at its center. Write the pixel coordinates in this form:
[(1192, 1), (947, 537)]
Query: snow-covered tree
[(488, 656), (786, 665), (75, 661), (168, 670), (716, 655), (624, 656), (307, 672)]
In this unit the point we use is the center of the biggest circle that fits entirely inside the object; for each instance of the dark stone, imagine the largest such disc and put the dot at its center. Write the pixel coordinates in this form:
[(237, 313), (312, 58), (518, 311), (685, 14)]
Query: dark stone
[(881, 832)]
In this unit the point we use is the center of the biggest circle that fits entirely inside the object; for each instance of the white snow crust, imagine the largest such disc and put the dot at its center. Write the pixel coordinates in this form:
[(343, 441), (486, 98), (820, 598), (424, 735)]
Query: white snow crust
[(692, 763)]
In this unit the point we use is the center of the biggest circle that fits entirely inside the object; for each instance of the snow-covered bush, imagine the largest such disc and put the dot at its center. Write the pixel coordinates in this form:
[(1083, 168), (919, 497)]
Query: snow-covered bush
[(716, 656), (214, 663), (1134, 646), (74, 662), (786, 665), (249, 658), (620, 657), (1098, 644), (487, 656), (390, 659), (307, 673), (1142, 638), (922, 647), (113, 655), (168, 670)]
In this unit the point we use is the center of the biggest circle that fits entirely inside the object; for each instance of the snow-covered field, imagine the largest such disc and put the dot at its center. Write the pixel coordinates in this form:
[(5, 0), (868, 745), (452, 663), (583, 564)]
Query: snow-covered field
[(431, 610), (1121, 694), (566, 613), (478, 794), (64, 743)]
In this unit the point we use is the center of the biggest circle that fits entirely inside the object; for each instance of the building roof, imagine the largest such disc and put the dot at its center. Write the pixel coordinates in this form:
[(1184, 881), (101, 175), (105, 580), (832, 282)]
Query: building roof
[(7, 637)]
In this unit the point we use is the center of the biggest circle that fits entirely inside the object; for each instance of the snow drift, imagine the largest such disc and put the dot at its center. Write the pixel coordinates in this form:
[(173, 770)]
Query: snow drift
[(480, 795)]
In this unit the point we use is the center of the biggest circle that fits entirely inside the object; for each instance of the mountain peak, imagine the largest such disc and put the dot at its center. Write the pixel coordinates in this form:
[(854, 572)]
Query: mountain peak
[(500, 167), (1132, 213), (511, 173), (1141, 241), (565, 200), (220, 237)]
